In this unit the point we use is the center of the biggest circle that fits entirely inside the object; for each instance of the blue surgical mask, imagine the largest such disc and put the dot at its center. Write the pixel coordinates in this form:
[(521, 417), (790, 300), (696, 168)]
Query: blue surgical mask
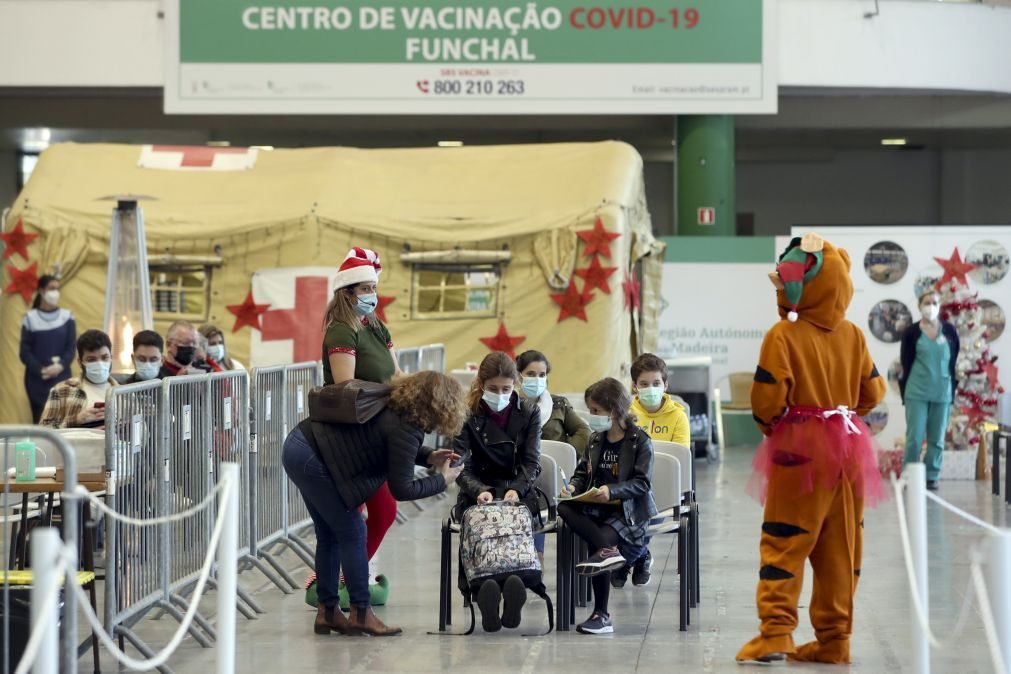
[(496, 401), (216, 352), (366, 304), (147, 371), (98, 372), (533, 387), (599, 423), (651, 396)]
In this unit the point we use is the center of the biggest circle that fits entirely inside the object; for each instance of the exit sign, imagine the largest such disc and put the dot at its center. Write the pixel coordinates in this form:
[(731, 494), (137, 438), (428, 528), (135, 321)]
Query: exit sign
[(707, 215)]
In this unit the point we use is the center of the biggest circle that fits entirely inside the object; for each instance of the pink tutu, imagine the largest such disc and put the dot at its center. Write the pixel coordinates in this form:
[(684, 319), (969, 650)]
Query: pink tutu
[(812, 448)]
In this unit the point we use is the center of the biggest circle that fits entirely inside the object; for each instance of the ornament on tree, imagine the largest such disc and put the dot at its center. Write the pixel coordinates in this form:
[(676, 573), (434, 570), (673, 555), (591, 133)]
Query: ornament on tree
[(247, 313), (23, 281), (572, 302), (502, 341), (596, 276), (598, 240), (17, 240), (955, 269)]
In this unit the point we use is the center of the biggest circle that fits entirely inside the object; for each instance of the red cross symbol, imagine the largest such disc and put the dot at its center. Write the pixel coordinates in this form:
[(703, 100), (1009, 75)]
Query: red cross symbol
[(303, 323), (196, 156)]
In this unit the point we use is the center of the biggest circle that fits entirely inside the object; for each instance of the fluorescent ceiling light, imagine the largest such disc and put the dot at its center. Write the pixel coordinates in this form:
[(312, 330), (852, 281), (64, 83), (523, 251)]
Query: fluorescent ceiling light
[(36, 140), (450, 143), (218, 143), (266, 148), (893, 141)]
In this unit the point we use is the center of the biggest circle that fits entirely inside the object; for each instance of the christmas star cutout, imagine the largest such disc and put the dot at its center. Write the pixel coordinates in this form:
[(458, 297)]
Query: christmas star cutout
[(954, 268), (596, 276), (247, 313), (991, 375), (598, 240), (572, 302), (976, 415), (502, 341), (384, 301), (24, 282), (631, 287), (17, 240)]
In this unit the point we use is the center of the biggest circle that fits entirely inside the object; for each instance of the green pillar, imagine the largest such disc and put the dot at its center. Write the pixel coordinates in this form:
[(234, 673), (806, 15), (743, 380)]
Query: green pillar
[(705, 175)]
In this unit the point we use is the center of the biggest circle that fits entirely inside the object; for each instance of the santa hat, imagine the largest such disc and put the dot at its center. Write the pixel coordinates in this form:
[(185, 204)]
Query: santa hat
[(361, 265), (799, 264)]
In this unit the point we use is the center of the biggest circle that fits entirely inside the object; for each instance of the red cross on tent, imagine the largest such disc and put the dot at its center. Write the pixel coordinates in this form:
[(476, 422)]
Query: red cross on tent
[(302, 322), (197, 158)]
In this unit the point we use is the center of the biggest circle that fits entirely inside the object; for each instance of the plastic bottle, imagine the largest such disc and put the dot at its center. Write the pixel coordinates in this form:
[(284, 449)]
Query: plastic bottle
[(24, 461)]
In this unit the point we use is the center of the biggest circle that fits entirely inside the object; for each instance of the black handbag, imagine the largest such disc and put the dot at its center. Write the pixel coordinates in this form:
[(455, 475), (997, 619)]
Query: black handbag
[(349, 402)]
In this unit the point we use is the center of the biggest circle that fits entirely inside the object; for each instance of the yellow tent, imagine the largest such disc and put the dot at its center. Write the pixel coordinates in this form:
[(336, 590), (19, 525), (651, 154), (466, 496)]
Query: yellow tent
[(471, 239)]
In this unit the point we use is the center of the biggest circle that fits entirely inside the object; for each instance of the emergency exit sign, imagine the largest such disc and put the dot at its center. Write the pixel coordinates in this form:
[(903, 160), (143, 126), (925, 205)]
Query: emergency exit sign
[(707, 215)]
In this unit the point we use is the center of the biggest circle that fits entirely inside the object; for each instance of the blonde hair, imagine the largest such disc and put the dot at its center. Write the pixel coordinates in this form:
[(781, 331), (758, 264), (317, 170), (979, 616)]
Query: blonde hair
[(927, 293), (342, 310), (495, 364), (432, 401)]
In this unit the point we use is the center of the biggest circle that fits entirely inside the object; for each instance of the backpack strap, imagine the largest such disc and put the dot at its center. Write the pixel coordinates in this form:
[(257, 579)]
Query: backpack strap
[(542, 592), (470, 630)]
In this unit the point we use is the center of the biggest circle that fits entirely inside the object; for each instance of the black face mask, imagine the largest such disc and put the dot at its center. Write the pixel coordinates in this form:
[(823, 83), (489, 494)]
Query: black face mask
[(184, 354)]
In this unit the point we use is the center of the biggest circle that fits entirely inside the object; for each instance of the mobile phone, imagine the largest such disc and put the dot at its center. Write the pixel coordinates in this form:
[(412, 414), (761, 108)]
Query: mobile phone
[(459, 462), (100, 406)]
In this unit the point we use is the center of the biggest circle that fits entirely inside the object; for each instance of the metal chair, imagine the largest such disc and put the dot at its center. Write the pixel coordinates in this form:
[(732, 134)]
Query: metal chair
[(689, 506), (671, 520)]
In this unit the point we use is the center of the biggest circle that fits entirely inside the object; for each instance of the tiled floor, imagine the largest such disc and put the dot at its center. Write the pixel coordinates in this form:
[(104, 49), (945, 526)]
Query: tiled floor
[(646, 637)]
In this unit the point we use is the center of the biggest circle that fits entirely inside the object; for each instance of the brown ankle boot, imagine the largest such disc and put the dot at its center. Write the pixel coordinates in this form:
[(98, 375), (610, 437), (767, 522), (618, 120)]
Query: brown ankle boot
[(328, 619), (364, 621)]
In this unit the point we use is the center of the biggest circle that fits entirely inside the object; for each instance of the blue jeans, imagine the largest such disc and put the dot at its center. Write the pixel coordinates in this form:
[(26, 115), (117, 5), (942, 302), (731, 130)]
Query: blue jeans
[(340, 532)]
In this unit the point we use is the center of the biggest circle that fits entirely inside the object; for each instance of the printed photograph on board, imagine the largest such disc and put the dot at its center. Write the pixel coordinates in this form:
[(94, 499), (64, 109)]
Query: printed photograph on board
[(889, 319), (886, 262), (877, 418), (993, 318), (991, 260), (926, 278), (894, 373)]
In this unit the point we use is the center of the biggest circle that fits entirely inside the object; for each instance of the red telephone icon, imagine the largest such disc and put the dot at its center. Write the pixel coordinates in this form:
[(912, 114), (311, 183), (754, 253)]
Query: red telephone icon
[(422, 86)]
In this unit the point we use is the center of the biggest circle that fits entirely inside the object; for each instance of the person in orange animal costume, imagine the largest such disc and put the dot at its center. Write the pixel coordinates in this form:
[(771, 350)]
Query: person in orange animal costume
[(817, 466)]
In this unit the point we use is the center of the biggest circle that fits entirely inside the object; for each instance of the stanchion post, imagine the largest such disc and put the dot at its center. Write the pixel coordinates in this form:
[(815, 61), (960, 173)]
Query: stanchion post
[(228, 562), (999, 584), (916, 513), (45, 564)]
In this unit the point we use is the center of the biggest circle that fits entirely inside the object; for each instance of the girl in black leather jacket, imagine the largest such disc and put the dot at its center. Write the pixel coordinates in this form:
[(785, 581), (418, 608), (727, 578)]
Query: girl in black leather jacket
[(618, 463)]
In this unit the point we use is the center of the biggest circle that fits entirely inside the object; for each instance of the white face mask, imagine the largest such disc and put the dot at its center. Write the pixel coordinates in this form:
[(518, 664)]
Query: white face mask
[(216, 352), (599, 423), (496, 401), (51, 297), (98, 372), (931, 311), (147, 371)]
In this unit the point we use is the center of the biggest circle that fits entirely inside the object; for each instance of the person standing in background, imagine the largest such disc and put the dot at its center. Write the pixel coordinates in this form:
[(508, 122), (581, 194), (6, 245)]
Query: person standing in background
[(928, 355), (216, 349), (48, 344)]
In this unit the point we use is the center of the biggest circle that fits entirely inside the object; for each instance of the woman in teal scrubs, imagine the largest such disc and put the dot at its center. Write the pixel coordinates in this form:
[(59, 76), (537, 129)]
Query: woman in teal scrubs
[(928, 355)]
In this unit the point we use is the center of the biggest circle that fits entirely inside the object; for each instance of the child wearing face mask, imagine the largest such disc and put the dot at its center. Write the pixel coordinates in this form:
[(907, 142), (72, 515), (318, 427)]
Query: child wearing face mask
[(619, 462), (928, 355), (501, 446), (79, 402)]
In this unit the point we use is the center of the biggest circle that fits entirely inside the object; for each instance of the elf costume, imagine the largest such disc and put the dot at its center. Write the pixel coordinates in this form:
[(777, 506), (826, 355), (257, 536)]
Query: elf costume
[(817, 467)]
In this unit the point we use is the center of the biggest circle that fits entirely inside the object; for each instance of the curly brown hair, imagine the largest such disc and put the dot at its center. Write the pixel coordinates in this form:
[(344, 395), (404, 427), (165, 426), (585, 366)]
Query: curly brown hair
[(432, 401)]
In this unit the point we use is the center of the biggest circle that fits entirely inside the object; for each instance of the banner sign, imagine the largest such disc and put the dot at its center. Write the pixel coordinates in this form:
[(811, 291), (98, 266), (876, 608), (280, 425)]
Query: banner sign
[(478, 56)]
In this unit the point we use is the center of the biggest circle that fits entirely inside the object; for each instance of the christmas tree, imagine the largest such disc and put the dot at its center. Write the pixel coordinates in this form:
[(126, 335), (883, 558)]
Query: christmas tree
[(976, 394)]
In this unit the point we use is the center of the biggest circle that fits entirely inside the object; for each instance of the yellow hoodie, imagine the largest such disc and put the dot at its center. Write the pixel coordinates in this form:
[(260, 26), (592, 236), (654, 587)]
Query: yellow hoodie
[(669, 423)]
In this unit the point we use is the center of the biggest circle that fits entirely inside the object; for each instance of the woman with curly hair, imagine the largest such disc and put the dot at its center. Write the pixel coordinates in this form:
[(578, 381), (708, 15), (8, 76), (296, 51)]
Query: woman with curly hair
[(338, 467)]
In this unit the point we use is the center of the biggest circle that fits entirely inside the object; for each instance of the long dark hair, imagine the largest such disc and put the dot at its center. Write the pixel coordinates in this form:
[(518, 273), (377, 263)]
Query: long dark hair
[(495, 364), (41, 287)]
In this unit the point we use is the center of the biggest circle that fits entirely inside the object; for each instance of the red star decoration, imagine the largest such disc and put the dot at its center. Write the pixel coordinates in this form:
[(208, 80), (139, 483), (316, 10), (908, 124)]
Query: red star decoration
[(954, 268), (631, 287), (381, 307), (572, 302), (596, 275), (23, 282), (248, 313), (991, 374), (17, 240), (502, 341), (598, 240)]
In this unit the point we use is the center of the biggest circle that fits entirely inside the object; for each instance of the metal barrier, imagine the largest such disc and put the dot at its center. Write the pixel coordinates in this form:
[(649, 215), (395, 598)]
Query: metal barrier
[(999, 442), (267, 494), (298, 380), (432, 357), (70, 505)]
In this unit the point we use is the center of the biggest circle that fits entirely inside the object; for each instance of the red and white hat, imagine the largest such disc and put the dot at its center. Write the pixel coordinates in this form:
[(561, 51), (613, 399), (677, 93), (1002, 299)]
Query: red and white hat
[(361, 265)]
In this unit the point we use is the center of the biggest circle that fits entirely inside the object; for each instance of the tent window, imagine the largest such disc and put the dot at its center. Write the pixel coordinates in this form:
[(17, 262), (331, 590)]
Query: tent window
[(180, 292), (455, 291)]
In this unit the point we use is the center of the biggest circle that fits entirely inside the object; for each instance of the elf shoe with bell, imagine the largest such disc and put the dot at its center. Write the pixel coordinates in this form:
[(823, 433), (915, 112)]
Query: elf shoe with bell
[(311, 598), (379, 592)]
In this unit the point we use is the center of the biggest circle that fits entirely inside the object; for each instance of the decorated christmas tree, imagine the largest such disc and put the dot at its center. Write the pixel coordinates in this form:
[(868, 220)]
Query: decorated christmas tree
[(976, 394)]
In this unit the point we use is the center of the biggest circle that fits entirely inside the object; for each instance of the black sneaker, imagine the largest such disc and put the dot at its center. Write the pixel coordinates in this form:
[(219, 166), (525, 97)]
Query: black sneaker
[(766, 660), (514, 595), (640, 572), (598, 623), (932, 485), (620, 576), (488, 599), (602, 561)]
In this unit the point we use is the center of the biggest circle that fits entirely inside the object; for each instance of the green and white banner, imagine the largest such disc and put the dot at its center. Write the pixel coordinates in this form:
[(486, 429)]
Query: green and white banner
[(473, 56)]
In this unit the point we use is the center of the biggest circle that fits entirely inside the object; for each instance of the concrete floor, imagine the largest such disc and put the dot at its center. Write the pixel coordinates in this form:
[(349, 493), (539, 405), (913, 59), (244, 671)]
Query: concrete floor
[(646, 637)]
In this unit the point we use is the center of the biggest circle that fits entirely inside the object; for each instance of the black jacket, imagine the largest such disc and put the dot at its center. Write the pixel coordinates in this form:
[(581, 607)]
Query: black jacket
[(907, 353), (360, 457), (635, 473), (500, 460)]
